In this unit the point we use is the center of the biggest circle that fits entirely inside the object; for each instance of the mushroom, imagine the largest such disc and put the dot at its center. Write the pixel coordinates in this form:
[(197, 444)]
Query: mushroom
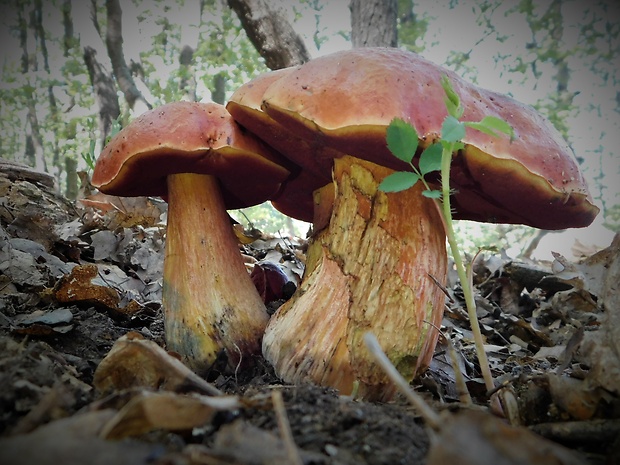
[(374, 265), (196, 156), (295, 197)]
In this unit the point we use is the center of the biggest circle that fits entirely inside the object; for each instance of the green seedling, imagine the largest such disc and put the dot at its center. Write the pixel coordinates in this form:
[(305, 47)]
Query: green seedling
[(402, 140)]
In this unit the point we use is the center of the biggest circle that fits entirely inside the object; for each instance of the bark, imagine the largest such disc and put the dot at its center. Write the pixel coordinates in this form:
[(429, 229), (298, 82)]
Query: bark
[(373, 23), (187, 83), (531, 247), (34, 151), (218, 92), (23, 38), (71, 191), (93, 17), (67, 23), (105, 93), (114, 43), (271, 33), (34, 133), (39, 32)]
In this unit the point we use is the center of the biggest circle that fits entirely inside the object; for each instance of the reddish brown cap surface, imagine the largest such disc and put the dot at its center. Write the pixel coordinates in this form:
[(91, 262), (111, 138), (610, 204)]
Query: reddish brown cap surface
[(345, 101), (295, 197), (189, 137)]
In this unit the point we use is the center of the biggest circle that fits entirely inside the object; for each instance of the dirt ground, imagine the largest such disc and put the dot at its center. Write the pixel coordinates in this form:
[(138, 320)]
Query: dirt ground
[(80, 283)]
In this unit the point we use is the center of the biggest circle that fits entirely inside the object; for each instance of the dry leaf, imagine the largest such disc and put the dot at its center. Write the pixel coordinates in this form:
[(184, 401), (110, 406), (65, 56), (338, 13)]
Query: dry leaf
[(74, 441), (125, 212), (475, 438), (168, 411), (77, 287), (42, 323), (137, 362), (601, 349), (574, 396), (240, 443)]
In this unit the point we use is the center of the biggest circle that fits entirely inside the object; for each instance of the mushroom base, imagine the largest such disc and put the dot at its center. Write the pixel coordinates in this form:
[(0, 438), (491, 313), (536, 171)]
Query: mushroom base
[(368, 270), (210, 303)]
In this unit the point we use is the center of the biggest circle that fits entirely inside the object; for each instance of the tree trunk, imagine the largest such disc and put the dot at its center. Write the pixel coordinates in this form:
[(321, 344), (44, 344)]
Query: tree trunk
[(71, 191), (34, 151), (105, 93), (67, 23), (39, 32), (34, 132), (218, 91), (271, 33), (114, 43), (23, 38), (373, 23), (187, 83)]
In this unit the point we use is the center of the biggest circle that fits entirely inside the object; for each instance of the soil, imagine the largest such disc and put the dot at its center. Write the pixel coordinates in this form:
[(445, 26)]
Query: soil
[(51, 409)]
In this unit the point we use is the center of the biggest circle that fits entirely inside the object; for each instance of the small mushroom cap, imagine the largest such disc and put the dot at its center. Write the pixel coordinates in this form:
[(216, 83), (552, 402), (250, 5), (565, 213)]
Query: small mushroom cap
[(346, 100), (189, 137)]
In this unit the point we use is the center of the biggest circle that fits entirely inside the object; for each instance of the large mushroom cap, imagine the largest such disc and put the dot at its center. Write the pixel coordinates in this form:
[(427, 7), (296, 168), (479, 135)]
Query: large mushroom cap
[(189, 137), (346, 100)]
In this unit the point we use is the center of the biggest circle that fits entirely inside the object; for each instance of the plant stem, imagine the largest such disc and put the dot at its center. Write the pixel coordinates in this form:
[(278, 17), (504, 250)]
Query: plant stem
[(446, 160)]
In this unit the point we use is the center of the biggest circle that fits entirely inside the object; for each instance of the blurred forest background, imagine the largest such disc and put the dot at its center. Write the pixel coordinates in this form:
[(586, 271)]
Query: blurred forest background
[(74, 71)]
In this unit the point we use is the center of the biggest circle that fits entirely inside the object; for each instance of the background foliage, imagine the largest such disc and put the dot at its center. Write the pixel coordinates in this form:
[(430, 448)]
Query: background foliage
[(560, 56)]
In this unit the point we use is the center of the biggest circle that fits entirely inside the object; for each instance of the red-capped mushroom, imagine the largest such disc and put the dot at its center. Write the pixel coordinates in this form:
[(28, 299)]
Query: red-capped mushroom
[(371, 267), (345, 101), (196, 156), (295, 197)]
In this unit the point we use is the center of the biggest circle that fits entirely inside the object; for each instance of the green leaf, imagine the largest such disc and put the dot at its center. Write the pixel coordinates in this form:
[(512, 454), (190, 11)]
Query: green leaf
[(452, 130), (492, 125), (399, 181), (432, 194), (402, 139), (430, 160), (452, 100)]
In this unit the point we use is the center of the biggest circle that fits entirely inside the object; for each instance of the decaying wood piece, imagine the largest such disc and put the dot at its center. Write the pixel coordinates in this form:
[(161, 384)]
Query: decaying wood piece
[(367, 270), (18, 171)]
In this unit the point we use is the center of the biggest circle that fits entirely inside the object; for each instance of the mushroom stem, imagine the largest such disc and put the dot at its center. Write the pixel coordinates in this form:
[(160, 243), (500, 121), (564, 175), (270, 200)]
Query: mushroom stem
[(367, 270), (209, 301)]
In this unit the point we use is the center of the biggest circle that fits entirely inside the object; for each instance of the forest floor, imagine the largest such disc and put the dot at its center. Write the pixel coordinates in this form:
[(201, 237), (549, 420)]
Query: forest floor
[(84, 377)]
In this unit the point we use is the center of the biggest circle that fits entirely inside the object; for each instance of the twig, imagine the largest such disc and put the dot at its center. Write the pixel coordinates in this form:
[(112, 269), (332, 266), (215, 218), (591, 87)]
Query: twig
[(285, 428)]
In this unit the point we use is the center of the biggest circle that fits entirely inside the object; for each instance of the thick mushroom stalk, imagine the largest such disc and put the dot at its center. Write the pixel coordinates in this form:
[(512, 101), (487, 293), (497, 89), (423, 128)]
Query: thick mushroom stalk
[(371, 268), (197, 157)]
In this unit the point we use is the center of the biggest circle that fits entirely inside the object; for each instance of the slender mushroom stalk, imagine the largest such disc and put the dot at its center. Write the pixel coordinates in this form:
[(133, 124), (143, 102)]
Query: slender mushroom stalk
[(210, 304), (367, 264), (197, 157), (362, 273)]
